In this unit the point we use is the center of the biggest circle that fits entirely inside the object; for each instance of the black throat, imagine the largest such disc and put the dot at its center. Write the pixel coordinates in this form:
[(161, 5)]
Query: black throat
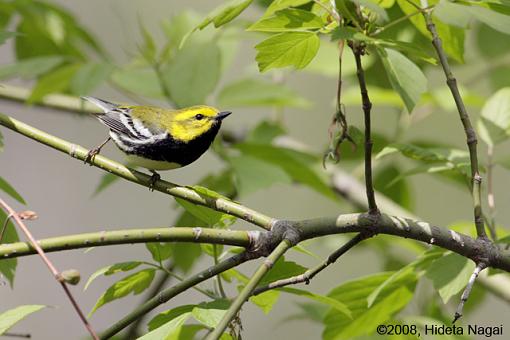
[(175, 151)]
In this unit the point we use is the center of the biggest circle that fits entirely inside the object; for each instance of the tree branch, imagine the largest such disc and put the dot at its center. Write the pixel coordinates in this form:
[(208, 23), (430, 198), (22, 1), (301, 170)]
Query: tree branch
[(16, 217), (310, 273), (476, 179), (171, 292), (129, 236), (248, 289), (358, 51), (57, 101), (467, 291), (220, 204)]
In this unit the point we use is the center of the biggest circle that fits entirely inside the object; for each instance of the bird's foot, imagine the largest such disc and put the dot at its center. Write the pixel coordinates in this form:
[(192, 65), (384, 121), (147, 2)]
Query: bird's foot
[(91, 154), (154, 178), (95, 151)]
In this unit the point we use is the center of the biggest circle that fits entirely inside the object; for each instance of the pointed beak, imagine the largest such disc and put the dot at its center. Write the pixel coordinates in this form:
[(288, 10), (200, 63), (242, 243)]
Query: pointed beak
[(223, 115)]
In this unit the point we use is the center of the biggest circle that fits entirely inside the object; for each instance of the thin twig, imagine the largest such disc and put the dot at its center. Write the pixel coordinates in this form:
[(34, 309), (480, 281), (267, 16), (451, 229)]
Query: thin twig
[(399, 20), (248, 289), (358, 51), (465, 295), (221, 290), (171, 292), (491, 202), (50, 265), (17, 335), (179, 278), (310, 273), (476, 179)]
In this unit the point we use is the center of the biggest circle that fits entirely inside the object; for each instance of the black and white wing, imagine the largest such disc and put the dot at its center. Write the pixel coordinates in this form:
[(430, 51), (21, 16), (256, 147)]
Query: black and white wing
[(126, 131)]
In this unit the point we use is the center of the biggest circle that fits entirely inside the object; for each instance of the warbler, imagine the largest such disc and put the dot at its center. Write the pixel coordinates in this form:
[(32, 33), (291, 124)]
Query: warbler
[(157, 138)]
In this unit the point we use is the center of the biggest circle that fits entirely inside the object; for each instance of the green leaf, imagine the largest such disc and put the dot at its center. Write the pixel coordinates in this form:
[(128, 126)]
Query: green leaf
[(287, 49), (450, 274), (298, 165), (169, 331), (489, 41), (47, 29), (451, 36), (421, 263), (427, 155), (266, 300), (220, 16), (207, 215), (8, 189), (148, 48), (8, 266), (253, 174), (167, 316), (337, 305), (265, 132), (55, 81), (278, 5), (112, 269), (400, 192), (349, 33), (258, 92), (326, 62), (494, 123), (159, 251), (210, 313), (134, 283), (405, 77), (106, 180), (282, 269), (394, 297), (89, 77), (407, 48), (225, 13), (500, 22), (193, 73), (142, 81), (288, 20), (12, 316), (31, 67)]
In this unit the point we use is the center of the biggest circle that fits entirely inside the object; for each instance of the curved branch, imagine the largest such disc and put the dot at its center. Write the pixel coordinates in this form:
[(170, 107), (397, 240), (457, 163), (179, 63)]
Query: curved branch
[(478, 250), (124, 236), (220, 204)]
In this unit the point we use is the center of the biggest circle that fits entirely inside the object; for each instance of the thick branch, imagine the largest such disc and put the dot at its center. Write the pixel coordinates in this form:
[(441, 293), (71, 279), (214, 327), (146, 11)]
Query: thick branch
[(476, 180), (78, 152), (130, 236), (367, 106), (169, 293), (478, 250), (248, 289)]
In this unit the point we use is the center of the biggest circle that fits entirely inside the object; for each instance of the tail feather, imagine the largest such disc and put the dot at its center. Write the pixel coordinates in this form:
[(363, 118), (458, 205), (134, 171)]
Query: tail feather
[(103, 104)]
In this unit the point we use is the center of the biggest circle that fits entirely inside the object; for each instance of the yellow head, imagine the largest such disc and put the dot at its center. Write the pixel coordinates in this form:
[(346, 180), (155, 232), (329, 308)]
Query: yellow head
[(189, 123), (185, 124)]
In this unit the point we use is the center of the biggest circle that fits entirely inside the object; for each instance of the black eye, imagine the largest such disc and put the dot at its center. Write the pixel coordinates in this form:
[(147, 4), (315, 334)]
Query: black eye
[(199, 116)]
